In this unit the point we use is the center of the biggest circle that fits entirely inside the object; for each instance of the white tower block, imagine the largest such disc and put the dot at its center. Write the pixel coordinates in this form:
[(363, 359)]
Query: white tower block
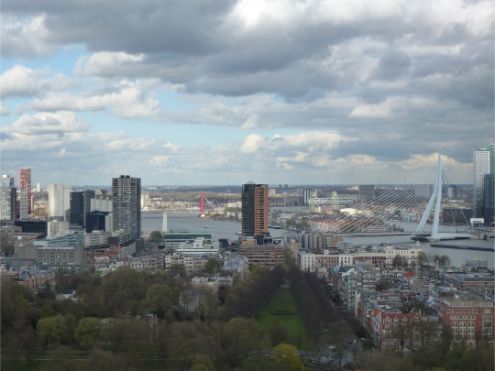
[(165, 223)]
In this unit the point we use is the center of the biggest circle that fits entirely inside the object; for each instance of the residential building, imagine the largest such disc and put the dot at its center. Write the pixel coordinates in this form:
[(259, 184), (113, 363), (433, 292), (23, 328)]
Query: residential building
[(24, 194), (255, 211), (191, 263), (263, 256), (126, 205)]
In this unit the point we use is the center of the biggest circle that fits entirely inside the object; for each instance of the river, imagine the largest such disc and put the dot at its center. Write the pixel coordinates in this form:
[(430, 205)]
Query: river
[(230, 229)]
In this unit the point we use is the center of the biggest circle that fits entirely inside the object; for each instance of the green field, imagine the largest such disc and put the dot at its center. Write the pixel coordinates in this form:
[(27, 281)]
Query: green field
[(282, 307)]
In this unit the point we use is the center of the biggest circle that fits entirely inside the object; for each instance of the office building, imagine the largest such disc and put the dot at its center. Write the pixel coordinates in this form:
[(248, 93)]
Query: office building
[(8, 196), (103, 202), (77, 208), (489, 199), (57, 228), (24, 194), (32, 226), (96, 221), (58, 201), (255, 211), (80, 206), (481, 167), (126, 205)]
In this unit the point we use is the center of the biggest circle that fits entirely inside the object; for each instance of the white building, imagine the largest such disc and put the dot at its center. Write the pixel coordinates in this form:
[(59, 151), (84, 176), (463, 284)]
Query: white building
[(58, 200), (200, 246), (96, 239), (481, 167), (346, 260), (410, 255), (57, 228), (7, 198)]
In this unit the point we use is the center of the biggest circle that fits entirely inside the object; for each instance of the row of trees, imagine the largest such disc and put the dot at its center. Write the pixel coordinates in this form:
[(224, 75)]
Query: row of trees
[(111, 316)]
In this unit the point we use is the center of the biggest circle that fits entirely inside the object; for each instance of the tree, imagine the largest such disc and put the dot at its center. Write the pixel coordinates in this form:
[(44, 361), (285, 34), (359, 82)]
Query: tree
[(399, 261), (444, 261), (422, 259), (51, 329), (240, 337), (202, 363), (87, 332), (159, 299), (212, 266), (156, 236), (287, 357), (278, 333)]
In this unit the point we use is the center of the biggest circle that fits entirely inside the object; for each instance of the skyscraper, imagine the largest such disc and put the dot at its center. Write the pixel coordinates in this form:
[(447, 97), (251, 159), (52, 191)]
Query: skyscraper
[(77, 208), (80, 206), (481, 167), (255, 211), (8, 196), (489, 190), (58, 201), (24, 194), (126, 205)]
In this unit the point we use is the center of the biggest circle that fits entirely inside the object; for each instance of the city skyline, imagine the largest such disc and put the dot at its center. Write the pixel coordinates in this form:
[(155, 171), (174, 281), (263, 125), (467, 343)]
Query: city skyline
[(332, 93)]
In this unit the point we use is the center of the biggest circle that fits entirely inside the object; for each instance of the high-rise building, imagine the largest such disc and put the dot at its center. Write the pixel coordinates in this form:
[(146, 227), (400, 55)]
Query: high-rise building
[(481, 167), (77, 208), (103, 202), (8, 196), (58, 201), (309, 193), (24, 194), (255, 211), (489, 190), (126, 205), (57, 228), (80, 206)]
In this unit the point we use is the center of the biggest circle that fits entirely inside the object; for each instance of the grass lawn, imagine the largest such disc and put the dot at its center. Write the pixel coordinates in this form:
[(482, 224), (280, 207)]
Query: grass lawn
[(282, 307)]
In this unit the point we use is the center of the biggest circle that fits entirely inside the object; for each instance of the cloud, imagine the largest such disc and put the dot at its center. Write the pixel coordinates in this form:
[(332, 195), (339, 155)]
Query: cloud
[(353, 82), (49, 123), (127, 99), (21, 81), (24, 38)]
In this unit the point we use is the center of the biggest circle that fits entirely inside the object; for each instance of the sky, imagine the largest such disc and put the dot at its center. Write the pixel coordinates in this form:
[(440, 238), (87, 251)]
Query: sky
[(223, 92)]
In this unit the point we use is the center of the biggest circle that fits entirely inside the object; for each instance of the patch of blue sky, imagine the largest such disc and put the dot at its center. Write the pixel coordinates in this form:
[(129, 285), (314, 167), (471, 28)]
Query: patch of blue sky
[(62, 60)]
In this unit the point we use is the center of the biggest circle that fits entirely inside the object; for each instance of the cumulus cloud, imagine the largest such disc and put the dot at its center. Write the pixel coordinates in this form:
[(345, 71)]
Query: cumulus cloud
[(128, 99), (21, 81), (24, 38)]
